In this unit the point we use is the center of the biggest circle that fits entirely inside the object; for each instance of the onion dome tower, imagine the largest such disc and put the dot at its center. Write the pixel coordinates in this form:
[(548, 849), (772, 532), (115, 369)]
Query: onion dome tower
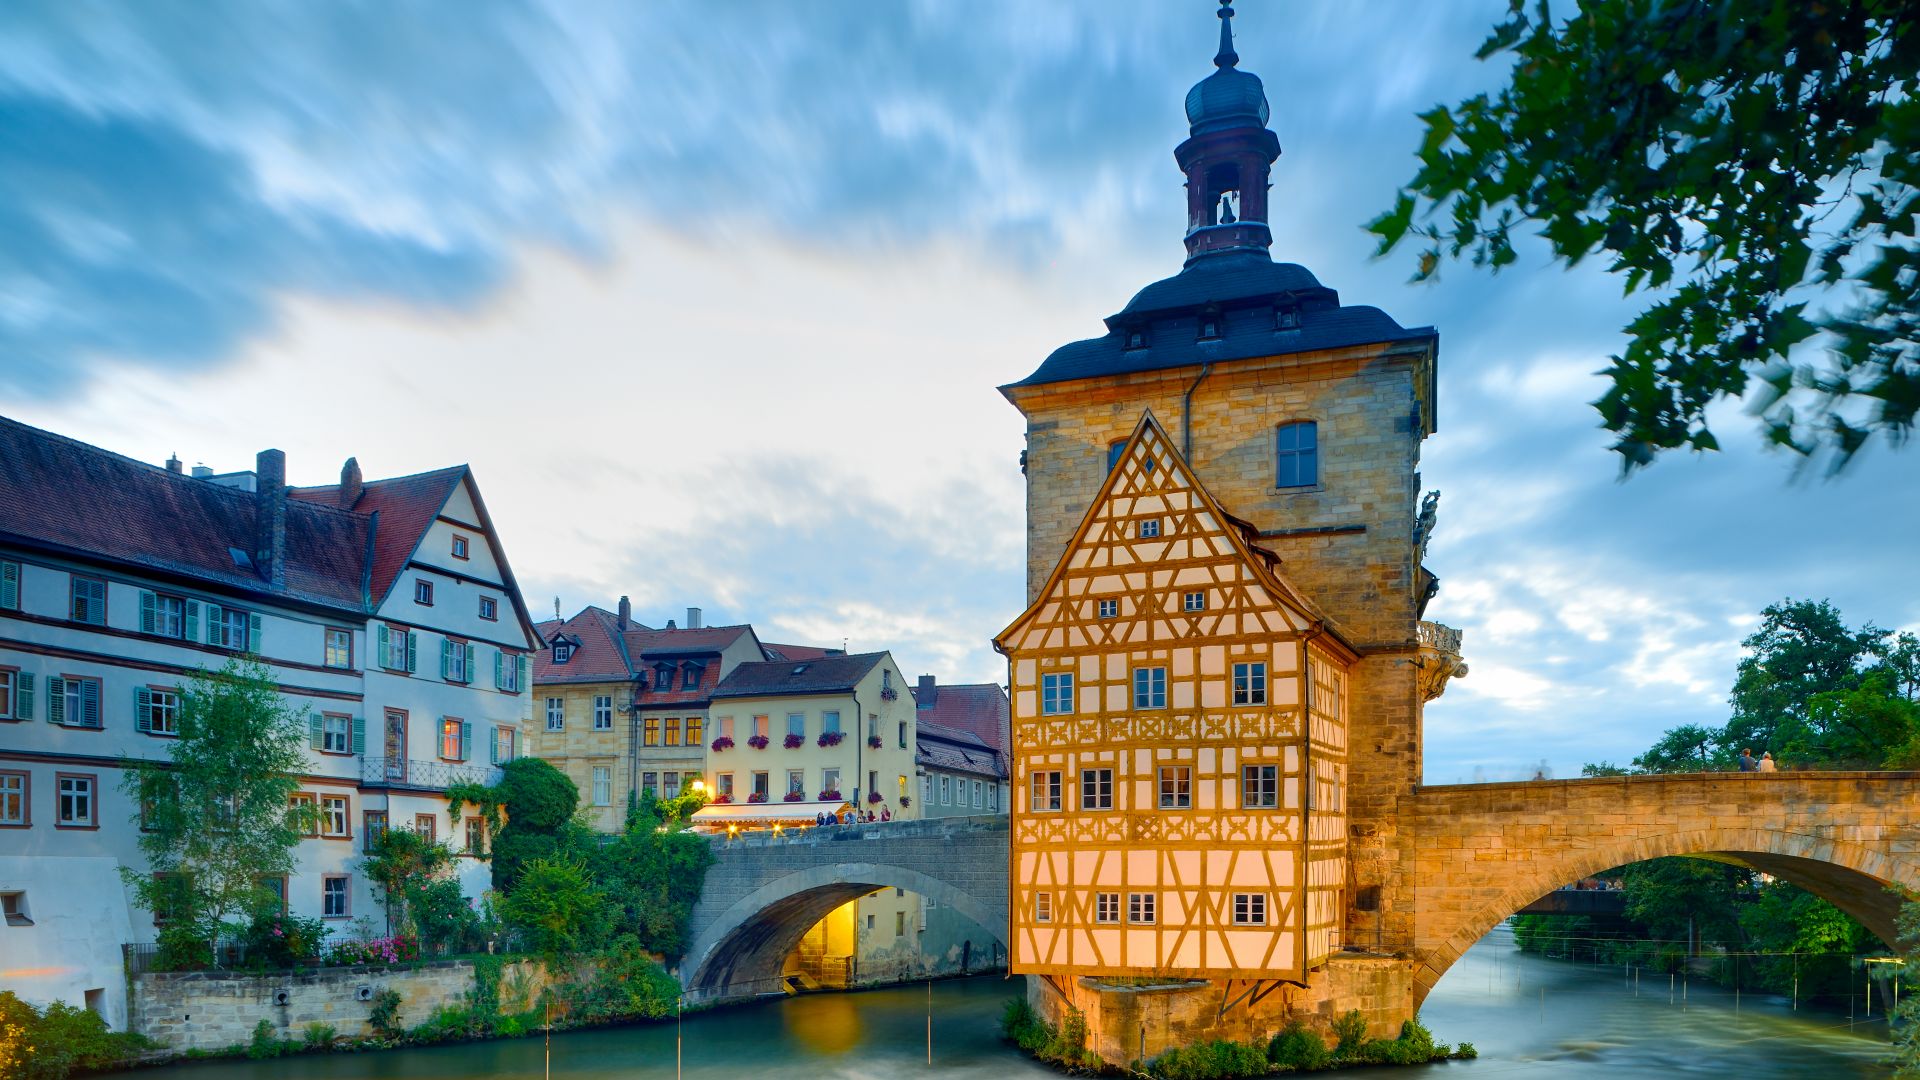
[(1227, 156)]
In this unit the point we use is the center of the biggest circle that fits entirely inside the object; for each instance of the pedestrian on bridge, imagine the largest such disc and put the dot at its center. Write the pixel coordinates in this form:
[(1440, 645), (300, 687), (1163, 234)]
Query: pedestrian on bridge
[(1766, 763), (1747, 764)]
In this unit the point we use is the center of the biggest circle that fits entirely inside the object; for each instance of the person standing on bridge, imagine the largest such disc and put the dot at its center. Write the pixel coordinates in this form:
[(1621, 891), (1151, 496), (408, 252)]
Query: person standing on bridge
[(1747, 764), (1766, 763)]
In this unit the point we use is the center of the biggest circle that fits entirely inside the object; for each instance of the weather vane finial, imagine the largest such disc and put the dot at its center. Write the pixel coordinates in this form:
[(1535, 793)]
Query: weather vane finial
[(1226, 57)]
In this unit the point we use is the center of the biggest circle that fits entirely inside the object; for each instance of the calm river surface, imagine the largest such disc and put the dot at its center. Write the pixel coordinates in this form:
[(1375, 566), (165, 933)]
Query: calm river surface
[(1592, 1024)]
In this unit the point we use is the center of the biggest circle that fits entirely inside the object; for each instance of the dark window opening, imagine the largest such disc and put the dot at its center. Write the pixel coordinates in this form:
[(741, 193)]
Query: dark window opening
[(1297, 454)]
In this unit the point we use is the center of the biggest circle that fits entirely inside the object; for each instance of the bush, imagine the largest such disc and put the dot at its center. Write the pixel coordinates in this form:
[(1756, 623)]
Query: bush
[(630, 985), (182, 948), (51, 1045), (451, 1023), (1299, 1049), (384, 1018), (321, 1037), (265, 1043), (1350, 1034), (276, 941), (1220, 1059)]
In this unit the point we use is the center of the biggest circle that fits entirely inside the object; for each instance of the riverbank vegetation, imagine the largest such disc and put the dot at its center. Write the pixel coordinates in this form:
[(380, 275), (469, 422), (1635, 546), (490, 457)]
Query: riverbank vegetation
[(55, 1042), (1294, 1049)]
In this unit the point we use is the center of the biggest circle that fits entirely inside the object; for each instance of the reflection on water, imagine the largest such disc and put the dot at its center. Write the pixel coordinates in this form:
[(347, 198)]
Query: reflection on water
[(1527, 1015)]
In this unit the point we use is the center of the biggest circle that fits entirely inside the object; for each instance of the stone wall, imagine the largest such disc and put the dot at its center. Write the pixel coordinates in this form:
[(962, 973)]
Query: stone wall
[(210, 1010)]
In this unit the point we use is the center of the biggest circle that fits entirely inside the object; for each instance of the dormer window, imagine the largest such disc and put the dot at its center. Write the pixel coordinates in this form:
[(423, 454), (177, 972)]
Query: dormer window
[(1209, 327), (690, 678), (1136, 339), (562, 652), (1286, 318), (663, 677)]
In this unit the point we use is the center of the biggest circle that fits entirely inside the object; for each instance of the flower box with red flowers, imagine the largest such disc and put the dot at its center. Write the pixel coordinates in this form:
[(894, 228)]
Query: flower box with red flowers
[(830, 795), (796, 796), (722, 799), (724, 742), (830, 738), (758, 796), (794, 742), (873, 741), (758, 742), (906, 801), (889, 694), (874, 797)]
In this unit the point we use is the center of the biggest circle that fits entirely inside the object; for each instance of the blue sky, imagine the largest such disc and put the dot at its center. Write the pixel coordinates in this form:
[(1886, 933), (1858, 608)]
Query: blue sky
[(714, 298)]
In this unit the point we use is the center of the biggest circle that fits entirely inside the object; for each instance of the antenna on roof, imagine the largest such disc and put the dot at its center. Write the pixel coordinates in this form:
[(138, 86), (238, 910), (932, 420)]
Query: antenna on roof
[(843, 646), (556, 607)]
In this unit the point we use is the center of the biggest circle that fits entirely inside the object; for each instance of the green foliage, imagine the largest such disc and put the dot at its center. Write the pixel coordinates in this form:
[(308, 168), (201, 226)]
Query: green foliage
[(536, 795), (628, 984), (1349, 1033), (1687, 748), (266, 1045), (1298, 1049), (215, 817), (452, 1023), (1065, 1046), (60, 1040), (1220, 1059), (1734, 159), (384, 1017), (652, 879), (556, 904), (319, 1038), (276, 941)]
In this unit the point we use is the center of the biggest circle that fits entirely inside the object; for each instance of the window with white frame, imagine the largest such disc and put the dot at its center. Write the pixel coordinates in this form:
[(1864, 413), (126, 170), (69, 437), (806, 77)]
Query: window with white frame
[(1106, 907), (333, 816), (8, 689), (163, 710), (797, 724), (1150, 688), (1259, 787), (423, 592), (74, 702), (459, 546), (88, 601), (562, 652), (76, 804), (556, 714), (1056, 693), (163, 615), (503, 744), (1109, 609), (603, 785), (336, 733), (13, 798), (978, 798), (339, 649), (796, 781), (1046, 790), (333, 896), (1096, 789), (603, 712), (1176, 787), (489, 609), (231, 628), (829, 780), (946, 791), (1140, 907), (1250, 684), (1148, 529), (1042, 907), (1194, 601), (1249, 909)]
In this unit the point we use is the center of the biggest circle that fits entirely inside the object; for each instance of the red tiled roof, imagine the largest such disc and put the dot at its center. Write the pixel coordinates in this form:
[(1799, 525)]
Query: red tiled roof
[(407, 506), (66, 495), (596, 656), (981, 709)]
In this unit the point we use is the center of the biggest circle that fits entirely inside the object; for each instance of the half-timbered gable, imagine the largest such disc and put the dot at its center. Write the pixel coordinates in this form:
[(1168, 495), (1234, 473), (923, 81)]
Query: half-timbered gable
[(1179, 744)]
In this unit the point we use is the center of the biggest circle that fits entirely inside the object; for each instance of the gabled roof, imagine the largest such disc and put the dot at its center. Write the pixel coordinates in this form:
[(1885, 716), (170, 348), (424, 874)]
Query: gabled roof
[(597, 655), (942, 747), (978, 709), (827, 675), (1150, 479), (70, 498), (797, 652)]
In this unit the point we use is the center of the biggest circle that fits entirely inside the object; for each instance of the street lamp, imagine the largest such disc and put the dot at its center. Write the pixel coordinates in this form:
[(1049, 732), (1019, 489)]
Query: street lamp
[(699, 787)]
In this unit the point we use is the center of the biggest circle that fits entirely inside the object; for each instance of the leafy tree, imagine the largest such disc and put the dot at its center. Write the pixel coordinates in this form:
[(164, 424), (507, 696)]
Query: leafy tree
[(1687, 748), (1604, 768), (539, 803), (558, 905), (652, 879), (216, 819), (1785, 919), (1677, 898), (60, 1040), (1803, 648), (415, 879), (1734, 158)]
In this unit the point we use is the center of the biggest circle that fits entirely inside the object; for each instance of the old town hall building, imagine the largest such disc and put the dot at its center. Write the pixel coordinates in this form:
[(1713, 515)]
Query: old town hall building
[(1217, 684)]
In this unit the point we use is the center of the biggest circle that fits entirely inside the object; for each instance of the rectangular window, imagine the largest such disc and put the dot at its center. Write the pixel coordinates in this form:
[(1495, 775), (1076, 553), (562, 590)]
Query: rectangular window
[(903, 734), (74, 701), (1259, 787), (339, 648), (1046, 790), (650, 783), (670, 785), (1106, 907), (163, 710), (829, 780), (673, 731), (231, 628), (693, 731), (1109, 609), (453, 739), (760, 785), (456, 660), (797, 724), (829, 721), (476, 836), (76, 803), (373, 827), (1150, 688), (1056, 694), (726, 727), (603, 785), (459, 546), (162, 615), (1250, 684), (1249, 909), (336, 731), (1297, 454), (424, 826), (396, 648), (690, 678), (302, 816), (1096, 789), (899, 924), (489, 609), (557, 714), (1043, 907), (503, 744), (993, 796), (1194, 601), (1140, 908), (423, 592), (89, 601), (761, 726), (10, 586), (7, 676), (603, 712), (277, 885), (333, 896), (13, 800), (334, 816), (723, 784), (513, 671), (1176, 787), (796, 781), (946, 791), (977, 798), (1149, 529)]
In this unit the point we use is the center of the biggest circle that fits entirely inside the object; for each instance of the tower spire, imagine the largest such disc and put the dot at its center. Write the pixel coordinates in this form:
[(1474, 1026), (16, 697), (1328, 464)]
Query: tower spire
[(1226, 57)]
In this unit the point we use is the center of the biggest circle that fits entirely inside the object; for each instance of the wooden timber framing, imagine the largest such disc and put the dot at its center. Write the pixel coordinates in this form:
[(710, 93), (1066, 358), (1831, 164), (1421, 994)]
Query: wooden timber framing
[(1164, 657)]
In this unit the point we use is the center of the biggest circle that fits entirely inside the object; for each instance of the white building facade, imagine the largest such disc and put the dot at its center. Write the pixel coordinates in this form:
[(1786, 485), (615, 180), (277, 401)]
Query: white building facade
[(385, 611)]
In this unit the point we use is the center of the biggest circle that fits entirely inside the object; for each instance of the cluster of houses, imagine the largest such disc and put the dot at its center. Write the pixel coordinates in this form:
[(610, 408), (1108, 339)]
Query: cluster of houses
[(387, 613)]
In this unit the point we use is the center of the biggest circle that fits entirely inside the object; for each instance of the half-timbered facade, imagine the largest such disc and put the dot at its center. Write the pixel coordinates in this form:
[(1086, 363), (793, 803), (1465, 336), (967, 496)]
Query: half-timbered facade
[(1179, 745)]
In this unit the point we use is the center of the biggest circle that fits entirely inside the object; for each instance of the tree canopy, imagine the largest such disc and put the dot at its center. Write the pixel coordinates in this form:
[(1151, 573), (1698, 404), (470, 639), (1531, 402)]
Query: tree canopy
[(1747, 164)]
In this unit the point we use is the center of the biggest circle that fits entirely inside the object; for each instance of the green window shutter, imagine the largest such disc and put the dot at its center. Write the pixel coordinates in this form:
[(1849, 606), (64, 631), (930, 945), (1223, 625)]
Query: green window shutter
[(413, 651), (142, 709), (213, 624), (316, 730), (90, 704), (23, 695), (493, 748), (446, 659), (499, 671), (522, 684), (359, 734), (468, 671), (466, 739), (386, 649), (146, 614), (253, 634), (10, 585), (192, 629), (56, 700)]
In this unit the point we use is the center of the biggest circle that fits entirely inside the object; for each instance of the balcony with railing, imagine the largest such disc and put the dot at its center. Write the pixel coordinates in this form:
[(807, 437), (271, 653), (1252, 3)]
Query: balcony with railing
[(1439, 659), (426, 774)]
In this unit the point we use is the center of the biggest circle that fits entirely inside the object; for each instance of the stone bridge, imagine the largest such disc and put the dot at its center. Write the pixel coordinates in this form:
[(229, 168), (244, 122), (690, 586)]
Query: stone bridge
[(765, 890), (1484, 851)]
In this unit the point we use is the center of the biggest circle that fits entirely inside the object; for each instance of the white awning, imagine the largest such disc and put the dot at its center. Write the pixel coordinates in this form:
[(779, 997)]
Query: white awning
[(767, 813)]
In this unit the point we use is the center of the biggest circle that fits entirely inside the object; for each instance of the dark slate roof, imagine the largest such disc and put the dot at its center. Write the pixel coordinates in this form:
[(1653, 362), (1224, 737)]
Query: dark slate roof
[(1247, 287), (979, 709), (797, 652), (64, 495), (826, 675), (941, 747)]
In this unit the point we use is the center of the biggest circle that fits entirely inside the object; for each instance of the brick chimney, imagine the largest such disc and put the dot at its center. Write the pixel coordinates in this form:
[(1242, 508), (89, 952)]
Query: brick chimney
[(927, 693), (270, 515), (626, 613), (174, 464), (350, 483)]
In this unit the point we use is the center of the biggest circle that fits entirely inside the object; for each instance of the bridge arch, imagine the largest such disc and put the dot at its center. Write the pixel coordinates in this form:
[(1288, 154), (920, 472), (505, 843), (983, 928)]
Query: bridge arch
[(1498, 857)]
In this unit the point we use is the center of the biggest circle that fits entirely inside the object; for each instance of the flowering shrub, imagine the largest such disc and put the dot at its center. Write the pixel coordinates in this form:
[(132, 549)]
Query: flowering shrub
[(873, 741), (722, 799), (905, 801), (758, 742), (830, 738), (724, 742), (758, 796), (796, 796), (387, 950), (829, 794), (874, 797), (794, 742)]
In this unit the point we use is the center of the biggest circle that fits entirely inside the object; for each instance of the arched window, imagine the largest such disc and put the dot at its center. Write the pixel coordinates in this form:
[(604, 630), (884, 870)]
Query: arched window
[(1113, 452), (1297, 454)]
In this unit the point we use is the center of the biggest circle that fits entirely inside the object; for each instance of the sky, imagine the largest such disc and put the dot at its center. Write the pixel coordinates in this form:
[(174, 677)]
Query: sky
[(714, 299)]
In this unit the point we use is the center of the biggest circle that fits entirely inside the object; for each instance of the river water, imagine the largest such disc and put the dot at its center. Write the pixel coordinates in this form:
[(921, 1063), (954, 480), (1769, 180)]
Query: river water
[(1529, 1016)]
